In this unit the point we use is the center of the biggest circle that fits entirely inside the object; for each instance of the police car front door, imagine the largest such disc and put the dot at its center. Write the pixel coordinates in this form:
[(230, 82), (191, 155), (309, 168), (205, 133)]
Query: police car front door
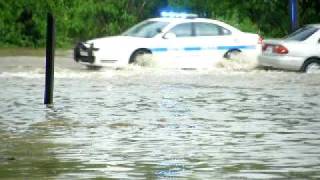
[(180, 42)]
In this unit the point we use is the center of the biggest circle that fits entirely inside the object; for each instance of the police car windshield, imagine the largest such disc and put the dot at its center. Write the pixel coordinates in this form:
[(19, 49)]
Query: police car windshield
[(146, 29), (302, 33)]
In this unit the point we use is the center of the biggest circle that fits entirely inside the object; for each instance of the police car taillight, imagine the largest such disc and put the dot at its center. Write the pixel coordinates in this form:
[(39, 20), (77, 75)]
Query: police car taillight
[(264, 47), (260, 40)]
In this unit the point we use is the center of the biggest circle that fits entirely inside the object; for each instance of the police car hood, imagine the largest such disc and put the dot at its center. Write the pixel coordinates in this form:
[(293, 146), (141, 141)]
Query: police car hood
[(113, 41)]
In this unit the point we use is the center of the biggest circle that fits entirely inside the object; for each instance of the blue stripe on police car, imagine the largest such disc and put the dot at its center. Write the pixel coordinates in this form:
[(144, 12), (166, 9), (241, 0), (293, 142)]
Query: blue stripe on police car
[(161, 50)]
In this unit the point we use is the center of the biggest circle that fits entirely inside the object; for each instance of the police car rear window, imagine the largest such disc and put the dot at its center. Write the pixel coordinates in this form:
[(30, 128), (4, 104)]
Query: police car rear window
[(302, 34), (182, 30), (209, 29)]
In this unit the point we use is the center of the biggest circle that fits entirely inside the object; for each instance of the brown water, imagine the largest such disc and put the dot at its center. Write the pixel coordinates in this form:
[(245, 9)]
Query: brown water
[(154, 123)]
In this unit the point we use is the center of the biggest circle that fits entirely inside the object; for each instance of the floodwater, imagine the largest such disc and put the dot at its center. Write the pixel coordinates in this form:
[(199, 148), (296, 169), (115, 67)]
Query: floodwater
[(228, 122)]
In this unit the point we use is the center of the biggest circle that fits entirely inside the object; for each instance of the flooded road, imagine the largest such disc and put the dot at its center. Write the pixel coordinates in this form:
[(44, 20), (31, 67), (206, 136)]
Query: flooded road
[(154, 123)]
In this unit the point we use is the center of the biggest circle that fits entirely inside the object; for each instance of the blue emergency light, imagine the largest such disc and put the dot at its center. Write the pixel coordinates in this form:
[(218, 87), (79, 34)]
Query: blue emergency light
[(172, 14)]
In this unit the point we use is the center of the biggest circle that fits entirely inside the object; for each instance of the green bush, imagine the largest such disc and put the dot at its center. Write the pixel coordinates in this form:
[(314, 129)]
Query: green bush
[(23, 22)]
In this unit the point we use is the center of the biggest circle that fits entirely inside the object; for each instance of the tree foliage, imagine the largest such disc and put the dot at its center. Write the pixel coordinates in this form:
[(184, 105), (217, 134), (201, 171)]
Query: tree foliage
[(22, 22)]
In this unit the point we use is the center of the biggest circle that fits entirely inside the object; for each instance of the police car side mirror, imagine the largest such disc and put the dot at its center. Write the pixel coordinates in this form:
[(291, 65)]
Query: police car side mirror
[(169, 35)]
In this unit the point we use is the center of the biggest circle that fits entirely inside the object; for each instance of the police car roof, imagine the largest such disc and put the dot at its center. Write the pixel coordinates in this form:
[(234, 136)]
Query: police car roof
[(185, 20), (170, 19)]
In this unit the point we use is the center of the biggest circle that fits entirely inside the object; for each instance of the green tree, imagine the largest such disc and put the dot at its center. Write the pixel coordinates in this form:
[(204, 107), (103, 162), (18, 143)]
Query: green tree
[(23, 22)]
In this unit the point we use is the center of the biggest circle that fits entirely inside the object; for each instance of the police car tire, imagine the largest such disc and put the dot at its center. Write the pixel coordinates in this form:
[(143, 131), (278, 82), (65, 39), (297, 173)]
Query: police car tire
[(230, 53), (308, 63), (137, 53)]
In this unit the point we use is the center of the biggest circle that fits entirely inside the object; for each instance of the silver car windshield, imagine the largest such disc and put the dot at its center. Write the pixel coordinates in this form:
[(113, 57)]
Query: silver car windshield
[(146, 29), (302, 33)]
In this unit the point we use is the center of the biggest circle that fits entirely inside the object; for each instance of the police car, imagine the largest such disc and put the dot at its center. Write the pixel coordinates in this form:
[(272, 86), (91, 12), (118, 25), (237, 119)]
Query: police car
[(178, 38)]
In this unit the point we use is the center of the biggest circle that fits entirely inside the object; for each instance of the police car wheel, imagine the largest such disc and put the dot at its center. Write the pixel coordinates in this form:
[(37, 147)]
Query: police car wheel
[(138, 54), (232, 54), (311, 66)]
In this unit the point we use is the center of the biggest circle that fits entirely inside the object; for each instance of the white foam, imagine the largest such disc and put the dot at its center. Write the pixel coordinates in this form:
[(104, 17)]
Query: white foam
[(146, 64), (242, 62)]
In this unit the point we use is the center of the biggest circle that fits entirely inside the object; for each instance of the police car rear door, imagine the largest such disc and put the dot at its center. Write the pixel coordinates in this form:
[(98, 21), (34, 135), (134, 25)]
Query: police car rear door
[(213, 40)]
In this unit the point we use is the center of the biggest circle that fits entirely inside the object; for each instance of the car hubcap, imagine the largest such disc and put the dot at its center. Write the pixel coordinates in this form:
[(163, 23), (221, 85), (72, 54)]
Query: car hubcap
[(313, 68)]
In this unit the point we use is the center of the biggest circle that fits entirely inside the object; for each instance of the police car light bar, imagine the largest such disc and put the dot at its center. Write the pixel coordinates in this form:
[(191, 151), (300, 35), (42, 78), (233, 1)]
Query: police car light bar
[(177, 15)]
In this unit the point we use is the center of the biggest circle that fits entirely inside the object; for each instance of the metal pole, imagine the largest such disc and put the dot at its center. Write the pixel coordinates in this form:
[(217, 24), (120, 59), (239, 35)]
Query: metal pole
[(293, 4), (48, 97)]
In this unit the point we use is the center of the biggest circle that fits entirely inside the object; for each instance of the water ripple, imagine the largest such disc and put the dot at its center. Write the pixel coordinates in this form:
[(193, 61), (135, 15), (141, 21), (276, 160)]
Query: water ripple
[(157, 124)]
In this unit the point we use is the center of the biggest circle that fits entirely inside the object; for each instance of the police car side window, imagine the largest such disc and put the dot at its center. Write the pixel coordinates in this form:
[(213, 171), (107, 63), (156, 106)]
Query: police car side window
[(209, 29), (225, 31), (182, 30)]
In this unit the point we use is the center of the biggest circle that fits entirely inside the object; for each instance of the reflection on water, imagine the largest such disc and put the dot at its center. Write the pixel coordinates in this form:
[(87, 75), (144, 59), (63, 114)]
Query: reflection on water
[(151, 123)]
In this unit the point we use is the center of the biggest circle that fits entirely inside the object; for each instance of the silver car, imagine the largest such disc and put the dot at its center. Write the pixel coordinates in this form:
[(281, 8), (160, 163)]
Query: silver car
[(300, 51)]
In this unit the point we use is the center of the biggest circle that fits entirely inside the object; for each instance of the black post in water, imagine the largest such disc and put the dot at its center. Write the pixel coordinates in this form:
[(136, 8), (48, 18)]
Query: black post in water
[(293, 8), (48, 96)]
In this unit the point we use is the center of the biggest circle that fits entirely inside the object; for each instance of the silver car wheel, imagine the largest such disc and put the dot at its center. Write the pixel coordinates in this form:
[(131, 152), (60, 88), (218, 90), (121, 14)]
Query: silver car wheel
[(313, 68)]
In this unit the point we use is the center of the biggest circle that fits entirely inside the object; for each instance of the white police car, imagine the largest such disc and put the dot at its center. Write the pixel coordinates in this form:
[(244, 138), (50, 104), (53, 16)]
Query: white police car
[(181, 39)]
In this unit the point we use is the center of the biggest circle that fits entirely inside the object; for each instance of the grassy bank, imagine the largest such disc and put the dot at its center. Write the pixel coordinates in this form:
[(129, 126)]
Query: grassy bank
[(22, 51)]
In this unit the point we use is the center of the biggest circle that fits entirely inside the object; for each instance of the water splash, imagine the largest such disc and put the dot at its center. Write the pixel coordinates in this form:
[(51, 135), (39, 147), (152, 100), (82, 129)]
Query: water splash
[(241, 62), (21, 67)]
